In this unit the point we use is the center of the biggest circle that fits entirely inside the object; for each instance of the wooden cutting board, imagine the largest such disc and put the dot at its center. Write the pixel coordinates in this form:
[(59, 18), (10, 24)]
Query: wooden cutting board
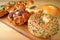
[(7, 33), (23, 29)]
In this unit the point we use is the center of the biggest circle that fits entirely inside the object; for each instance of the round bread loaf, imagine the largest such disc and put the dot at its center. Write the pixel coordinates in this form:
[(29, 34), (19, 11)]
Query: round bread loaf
[(18, 17), (43, 25), (51, 9)]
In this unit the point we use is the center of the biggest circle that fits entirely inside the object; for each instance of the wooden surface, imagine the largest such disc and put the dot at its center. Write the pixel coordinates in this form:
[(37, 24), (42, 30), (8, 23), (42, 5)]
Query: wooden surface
[(24, 31), (7, 33), (21, 29)]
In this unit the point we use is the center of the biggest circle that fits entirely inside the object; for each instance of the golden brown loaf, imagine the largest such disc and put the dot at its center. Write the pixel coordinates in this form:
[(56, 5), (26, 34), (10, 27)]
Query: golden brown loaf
[(51, 9)]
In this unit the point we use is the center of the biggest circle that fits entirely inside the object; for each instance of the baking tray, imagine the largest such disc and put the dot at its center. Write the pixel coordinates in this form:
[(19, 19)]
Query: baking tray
[(23, 28)]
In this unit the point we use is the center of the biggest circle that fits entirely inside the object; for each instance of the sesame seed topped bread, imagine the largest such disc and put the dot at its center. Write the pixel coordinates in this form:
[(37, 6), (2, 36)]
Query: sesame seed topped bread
[(43, 25)]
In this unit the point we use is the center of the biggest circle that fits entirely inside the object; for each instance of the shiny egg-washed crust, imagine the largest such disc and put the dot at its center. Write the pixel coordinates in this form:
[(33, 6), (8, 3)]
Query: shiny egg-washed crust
[(41, 27)]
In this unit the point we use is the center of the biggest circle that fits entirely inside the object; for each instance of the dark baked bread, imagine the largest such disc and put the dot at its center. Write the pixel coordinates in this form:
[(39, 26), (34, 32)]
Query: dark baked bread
[(12, 2), (18, 17), (3, 11), (43, 25)]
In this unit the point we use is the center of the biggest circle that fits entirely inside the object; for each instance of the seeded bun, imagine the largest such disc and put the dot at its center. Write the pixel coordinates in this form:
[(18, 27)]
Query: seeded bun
[(43, 25), (51, 9)]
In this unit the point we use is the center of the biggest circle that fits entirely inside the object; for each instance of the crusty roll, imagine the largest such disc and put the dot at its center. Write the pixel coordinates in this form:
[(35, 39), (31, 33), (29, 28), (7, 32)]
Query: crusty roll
[(43, 25), (3, 12), (20, 5), (51, 9), (18, 17)]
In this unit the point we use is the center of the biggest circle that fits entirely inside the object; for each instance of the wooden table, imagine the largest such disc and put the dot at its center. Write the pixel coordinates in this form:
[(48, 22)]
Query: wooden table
[(7, 33)]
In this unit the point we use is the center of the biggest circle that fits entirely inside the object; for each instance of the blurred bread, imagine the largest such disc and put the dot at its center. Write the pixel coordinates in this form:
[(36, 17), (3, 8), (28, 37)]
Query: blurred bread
[(51, 9), (34, 8), (20, 5), (43, 25), (18, 17), (3, 12), (10, 7)]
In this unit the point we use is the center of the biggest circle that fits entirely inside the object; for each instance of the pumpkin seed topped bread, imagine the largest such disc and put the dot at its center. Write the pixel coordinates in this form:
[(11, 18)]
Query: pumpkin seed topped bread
[(43, 25)]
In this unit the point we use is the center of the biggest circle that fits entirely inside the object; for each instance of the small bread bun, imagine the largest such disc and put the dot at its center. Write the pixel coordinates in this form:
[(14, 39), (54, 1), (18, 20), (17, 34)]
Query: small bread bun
[(43, 25), (51, 9), (10, 7), (31, 7), (18, 17), (3, 12), (34, 8), (20, 5)]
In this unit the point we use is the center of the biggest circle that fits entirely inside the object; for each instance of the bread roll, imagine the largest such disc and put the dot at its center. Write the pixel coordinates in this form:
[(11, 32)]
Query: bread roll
[(43, 25), (51, 9), (3, 12), (18, 17), (20, 5)]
